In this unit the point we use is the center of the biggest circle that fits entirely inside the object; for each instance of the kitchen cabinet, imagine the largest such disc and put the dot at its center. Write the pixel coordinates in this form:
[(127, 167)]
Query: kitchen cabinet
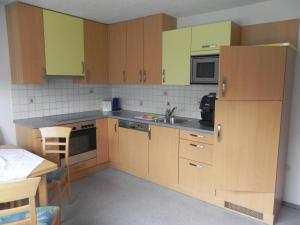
[(176, 57), (133, 150), (196, 177), (246, 147), (144, 48), (64, 44), (163, 155), (135, 51), (95, 53), (26, 43), (252, 73), (113, 141), (153, 32), (117, 52), (208, 38), (102, 140)]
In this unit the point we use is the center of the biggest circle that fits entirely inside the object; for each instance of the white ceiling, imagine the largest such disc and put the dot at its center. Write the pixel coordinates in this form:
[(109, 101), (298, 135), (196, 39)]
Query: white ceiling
[(110, 11)]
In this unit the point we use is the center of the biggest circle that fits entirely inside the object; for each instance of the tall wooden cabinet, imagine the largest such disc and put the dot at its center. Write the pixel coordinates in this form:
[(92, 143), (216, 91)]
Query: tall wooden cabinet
[(251, 128), (26, 43)]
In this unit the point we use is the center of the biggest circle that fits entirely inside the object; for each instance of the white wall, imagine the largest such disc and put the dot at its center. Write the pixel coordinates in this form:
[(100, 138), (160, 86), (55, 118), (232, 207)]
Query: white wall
[(269, 11), (7, 130)]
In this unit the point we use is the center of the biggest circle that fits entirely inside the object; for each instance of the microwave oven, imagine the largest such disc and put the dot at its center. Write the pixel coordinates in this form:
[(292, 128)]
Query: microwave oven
[(204, 69)]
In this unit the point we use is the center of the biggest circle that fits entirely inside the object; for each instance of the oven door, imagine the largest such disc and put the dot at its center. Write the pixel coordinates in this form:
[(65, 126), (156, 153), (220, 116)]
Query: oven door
[(205, 69), (82, 145)]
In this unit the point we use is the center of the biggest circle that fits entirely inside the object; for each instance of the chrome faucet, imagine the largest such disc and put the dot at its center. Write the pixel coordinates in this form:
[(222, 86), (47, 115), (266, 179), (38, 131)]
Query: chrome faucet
[(169, 113)]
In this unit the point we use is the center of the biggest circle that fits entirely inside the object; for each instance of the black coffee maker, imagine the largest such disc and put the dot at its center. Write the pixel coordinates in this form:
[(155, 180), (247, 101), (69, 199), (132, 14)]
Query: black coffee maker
[(207, 107)]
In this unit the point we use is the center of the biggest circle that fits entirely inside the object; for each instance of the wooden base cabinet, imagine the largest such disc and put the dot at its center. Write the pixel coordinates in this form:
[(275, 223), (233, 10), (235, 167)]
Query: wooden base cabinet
[(133, 150), (113, 141), (163, 155), (196, 177)]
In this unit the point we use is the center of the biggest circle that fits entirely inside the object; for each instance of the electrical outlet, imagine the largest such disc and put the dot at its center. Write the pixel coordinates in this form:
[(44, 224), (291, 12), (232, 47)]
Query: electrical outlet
[(31, 100), (165, 93), (141, 103), (91, 91)]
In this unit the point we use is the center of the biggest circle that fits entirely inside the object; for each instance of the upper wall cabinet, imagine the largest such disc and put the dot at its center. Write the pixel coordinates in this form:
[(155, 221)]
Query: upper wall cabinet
[(64, 44), (117, 53), (153, 35), (26, 43), (242, 76), (142, 52), (95, 52), (176, 56), (207, 39)]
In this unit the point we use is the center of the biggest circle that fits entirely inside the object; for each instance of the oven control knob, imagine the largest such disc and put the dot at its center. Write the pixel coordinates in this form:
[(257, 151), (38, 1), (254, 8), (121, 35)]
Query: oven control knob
[(74, 128)]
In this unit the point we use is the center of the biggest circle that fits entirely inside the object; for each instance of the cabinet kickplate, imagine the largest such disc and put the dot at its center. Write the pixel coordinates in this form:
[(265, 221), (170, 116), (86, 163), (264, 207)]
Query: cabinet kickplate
[(244, 210)]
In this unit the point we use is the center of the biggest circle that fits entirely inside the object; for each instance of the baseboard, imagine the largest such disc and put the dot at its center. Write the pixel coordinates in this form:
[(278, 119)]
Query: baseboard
[(291, 205)]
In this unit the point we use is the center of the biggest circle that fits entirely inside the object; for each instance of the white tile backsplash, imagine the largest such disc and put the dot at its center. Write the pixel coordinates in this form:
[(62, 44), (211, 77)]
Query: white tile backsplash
[(58, 96), (61, 96), (154, 98)]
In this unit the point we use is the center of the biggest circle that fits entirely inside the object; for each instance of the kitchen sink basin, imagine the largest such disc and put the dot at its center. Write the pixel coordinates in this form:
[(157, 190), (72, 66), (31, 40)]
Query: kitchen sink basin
[(175, 120)]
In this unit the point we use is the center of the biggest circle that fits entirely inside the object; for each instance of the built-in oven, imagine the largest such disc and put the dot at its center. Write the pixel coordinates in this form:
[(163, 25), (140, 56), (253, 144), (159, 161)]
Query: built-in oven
[(82, 141), (204, 69)]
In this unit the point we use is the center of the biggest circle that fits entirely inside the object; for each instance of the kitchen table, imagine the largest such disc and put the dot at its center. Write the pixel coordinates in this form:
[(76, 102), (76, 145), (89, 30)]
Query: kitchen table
[(40, 171)]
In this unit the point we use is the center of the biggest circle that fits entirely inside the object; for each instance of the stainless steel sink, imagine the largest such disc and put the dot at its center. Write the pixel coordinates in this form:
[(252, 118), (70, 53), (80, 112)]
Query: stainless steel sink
[(175, 120)]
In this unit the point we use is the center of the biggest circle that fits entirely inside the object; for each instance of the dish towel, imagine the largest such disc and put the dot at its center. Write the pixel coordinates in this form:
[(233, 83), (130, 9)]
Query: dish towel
[(17, 164)]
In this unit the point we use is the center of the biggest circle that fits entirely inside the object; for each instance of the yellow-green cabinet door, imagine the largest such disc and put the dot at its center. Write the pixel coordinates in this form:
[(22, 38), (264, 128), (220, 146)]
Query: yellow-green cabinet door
[(64, 44), (176, 57), (209, 37)]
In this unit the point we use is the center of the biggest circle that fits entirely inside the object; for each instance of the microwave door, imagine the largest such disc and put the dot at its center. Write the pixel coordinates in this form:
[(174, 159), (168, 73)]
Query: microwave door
[(205, 70)]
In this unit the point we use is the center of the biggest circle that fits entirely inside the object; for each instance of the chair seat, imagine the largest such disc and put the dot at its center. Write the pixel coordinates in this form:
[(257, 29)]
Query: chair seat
[(45, 216), (56, 175)]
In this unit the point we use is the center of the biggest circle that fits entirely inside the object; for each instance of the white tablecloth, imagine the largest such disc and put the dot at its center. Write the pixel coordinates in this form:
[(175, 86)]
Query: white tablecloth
[(17, 164)]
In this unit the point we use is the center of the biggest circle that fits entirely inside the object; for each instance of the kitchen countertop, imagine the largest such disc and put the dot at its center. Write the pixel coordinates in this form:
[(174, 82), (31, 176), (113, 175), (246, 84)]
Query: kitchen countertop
[(47, 121)]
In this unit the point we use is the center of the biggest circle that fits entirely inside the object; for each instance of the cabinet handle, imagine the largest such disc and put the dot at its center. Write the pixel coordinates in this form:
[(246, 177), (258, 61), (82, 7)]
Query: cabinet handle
[(115, 127), (209, 46), (44, 72), (141, 76), (149, 133), (145, 76), (196, 165), (124, 76), (224, 86), (83, 68), (164, 75), (219, 127), (197, 146), (197, 135)]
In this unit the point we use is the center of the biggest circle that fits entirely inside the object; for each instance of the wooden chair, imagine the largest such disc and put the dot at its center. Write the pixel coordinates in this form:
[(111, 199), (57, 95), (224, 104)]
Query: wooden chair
[(27, 213), (56, 142)]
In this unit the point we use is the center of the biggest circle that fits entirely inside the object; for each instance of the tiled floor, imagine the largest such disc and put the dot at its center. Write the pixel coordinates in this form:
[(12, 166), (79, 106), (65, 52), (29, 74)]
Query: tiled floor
[(111, 197)]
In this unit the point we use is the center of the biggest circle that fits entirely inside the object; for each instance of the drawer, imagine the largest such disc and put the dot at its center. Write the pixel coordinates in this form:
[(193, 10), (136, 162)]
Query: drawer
[(196, 151), (196, 177), (199, 137)]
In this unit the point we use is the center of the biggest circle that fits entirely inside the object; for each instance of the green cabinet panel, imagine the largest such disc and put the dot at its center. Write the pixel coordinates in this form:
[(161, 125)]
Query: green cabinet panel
[(176, 56), (64, 44), (207, 38)]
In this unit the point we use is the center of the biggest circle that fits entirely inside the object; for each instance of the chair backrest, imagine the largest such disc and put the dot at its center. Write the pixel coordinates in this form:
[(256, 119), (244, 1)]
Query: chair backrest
[(18, 190), (56, 141)]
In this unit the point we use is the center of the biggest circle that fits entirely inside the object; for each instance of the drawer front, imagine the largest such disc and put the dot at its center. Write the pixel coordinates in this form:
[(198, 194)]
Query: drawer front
[(199, 137), (196, 177), (196, 151)]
